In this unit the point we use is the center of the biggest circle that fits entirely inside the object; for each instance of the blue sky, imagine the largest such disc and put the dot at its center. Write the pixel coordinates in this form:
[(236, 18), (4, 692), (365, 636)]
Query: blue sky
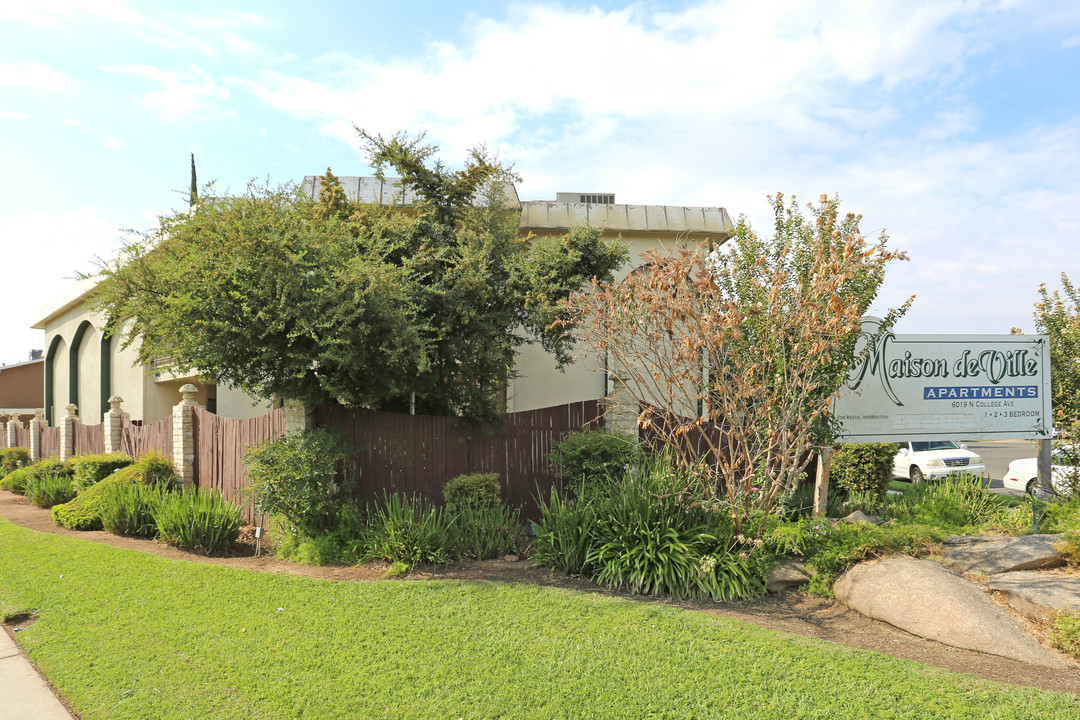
[(954, 126)]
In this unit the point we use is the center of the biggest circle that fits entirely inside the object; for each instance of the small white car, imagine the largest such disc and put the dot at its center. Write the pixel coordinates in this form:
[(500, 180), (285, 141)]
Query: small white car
[(1023, 474), (935, 459)]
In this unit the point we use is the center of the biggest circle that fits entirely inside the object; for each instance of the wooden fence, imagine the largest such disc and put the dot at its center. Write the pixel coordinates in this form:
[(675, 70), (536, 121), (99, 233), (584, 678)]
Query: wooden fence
[(416, 454), (88, 439), (50, 442), (220, 444), (136, 440), (22, 436)]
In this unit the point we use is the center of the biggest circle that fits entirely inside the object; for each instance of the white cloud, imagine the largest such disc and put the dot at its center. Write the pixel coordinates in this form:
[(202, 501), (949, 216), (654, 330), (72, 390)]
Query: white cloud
[(112, 142), (184, 93), (12, 115), (73, 122), (34, 75)]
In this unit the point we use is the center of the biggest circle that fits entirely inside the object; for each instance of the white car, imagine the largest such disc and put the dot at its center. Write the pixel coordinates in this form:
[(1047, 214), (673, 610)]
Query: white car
[(935, 459), (1023, 474)]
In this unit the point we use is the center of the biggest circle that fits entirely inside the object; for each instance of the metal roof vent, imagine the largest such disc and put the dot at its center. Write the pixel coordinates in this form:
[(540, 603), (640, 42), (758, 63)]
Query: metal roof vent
[(587, 198)]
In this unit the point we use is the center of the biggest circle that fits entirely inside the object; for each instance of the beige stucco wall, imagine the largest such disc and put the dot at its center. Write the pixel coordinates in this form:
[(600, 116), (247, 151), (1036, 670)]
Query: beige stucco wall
[(540, 383), (237, 404)]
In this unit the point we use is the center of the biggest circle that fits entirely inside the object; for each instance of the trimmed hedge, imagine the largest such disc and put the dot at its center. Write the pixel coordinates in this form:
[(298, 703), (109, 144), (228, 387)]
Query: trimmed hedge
[(594, 455), (476, 490), (864, 467), (84, 512), (89, 470)]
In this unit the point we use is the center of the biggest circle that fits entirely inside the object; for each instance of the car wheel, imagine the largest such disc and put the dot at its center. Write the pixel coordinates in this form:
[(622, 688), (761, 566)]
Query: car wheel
[(1032, 487), (916, 474)]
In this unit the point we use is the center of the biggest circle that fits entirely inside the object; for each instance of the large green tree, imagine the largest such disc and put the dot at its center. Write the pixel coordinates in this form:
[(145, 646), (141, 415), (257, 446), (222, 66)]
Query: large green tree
[(367, 304)]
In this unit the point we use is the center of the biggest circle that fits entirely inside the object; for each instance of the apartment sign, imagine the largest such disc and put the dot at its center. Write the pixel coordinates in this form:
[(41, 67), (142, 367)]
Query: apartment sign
[(946, 387)]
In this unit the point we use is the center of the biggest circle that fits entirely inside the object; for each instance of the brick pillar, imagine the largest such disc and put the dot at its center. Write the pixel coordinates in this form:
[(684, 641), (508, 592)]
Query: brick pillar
[(9, 430), (111, 423), (298, 417), (36, 424), (67, 432), (183, 423)]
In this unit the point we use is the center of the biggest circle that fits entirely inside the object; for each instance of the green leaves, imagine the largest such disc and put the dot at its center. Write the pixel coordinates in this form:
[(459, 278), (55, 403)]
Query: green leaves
[(281, 296)]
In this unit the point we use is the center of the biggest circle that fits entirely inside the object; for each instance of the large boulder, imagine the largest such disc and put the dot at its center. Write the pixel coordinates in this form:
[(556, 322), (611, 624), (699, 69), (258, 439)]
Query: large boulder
[(1037, 595), (991, 554), (788, 574), (925, 599)]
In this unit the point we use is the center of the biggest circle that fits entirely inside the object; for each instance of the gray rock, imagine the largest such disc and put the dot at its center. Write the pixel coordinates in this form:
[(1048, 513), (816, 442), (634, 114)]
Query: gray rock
[(1037, 595), (925, 599), (992, 554), (788, 574), (860, 517)]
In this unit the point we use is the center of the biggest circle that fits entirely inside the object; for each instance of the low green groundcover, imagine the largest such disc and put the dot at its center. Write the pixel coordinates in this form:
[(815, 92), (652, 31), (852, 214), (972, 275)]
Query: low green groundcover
[(122, 634)]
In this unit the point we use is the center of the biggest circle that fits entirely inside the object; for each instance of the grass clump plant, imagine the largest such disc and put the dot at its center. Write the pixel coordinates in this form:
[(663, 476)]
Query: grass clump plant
[(650, 538), (129, 509), (486, 531), (199, 520), (410, 531), (84, 511), (563, 536), (48, 483)]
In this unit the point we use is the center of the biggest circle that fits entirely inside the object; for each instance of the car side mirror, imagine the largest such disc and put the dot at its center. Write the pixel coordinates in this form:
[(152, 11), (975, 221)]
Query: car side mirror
[(963, 447), (903, 451)]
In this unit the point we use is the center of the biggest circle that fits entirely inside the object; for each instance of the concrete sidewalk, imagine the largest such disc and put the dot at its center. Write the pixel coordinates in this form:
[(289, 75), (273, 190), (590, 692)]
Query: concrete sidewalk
[(23, 694)]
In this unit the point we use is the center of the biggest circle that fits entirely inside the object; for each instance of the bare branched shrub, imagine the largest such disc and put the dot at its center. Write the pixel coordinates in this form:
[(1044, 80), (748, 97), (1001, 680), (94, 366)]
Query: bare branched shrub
[(731, 360)]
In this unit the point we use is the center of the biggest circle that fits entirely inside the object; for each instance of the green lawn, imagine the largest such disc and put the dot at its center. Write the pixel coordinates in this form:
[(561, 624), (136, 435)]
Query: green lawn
[(128, 635)]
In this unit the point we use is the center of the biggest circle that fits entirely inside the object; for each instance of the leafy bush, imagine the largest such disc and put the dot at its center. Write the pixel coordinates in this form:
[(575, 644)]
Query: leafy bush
[(1059, 516), (84, 512), (48, 483), (864, 467), (15, 481), (198, 520), (408, 531), (89, 470), (1069, 547), (564, 534), (294, 477), (129, 509), (845, 544), (12, 459), (485, 532), (955, 503), (477, 490), (346, 543), (1065, 633), (592, 455)]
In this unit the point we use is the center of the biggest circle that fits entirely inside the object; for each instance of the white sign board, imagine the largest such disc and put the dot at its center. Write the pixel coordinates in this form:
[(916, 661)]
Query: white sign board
[(938, 387)]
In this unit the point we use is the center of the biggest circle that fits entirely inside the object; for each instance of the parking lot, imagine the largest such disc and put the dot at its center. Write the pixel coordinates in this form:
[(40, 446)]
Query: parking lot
[(997, 455)]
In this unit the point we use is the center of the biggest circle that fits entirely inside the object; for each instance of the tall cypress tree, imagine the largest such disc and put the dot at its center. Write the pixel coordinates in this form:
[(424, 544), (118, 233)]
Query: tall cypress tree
[(194, 197)]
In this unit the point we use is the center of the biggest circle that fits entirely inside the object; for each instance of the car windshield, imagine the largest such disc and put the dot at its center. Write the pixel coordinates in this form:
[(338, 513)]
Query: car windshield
[(934, 445)]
